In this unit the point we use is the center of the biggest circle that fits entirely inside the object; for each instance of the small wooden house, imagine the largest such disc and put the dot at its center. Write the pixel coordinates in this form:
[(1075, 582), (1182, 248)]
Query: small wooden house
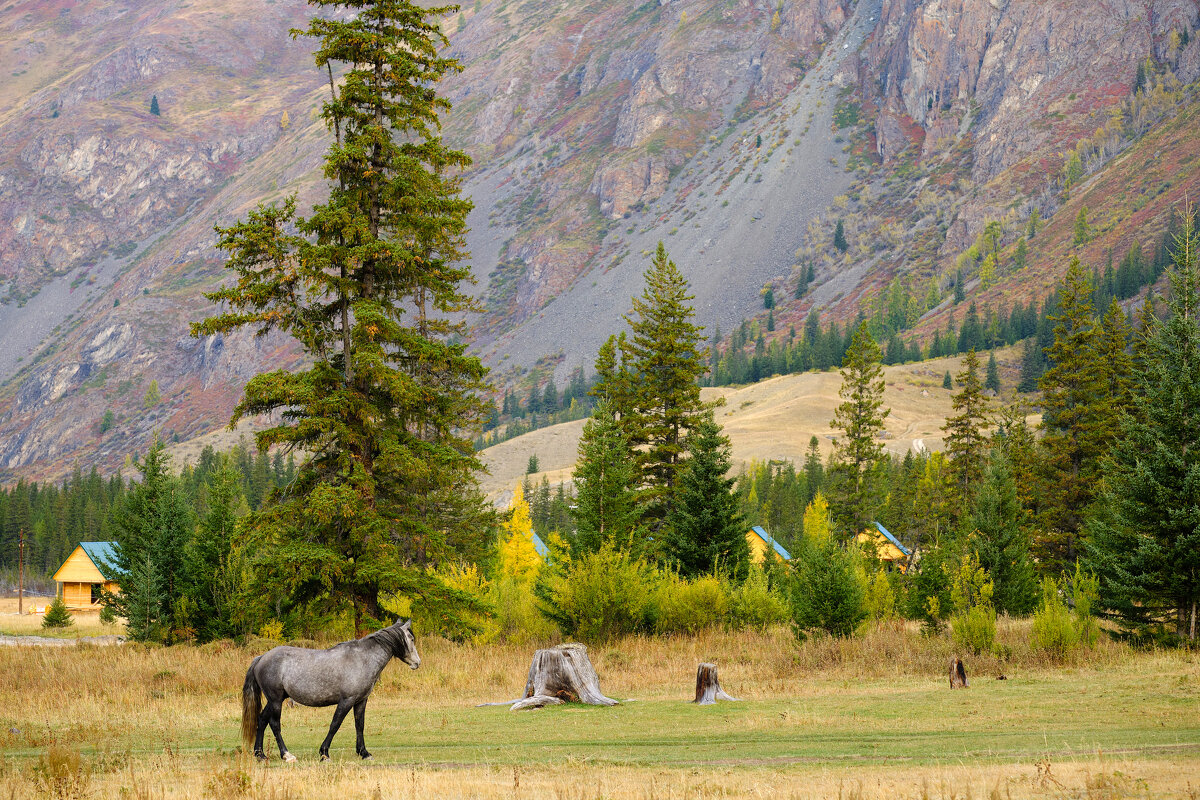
[(762, 543), (85, 572), (888, 548)]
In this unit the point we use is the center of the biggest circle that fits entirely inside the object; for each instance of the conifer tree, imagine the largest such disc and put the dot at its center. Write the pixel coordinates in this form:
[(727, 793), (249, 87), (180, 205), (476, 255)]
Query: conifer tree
[(154, 105), (214, 581), (839, 237), (965, 441), (993, 374), (605, 511), (518, 557), (1145, 541), (152, 528), (706, 531), (1071, 441), (368, 285), (666, 360), (1000, 540), (858, 455)]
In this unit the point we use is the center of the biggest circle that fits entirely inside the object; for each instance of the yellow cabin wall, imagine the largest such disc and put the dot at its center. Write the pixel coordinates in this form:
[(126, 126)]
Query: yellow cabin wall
[(78, 568), (759, 548), (76, 577)]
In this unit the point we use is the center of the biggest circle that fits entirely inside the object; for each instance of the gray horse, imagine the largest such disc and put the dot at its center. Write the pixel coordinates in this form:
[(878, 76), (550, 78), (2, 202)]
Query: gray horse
[(343, 675)]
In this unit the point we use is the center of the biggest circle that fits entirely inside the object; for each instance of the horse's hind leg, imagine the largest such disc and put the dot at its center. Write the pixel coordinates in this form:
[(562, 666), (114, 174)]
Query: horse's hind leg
[(273, 711), (339, 714), (360, 719)]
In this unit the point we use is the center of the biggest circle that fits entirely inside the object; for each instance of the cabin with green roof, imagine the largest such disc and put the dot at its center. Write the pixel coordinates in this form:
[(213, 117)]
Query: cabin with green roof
[(85, 573)]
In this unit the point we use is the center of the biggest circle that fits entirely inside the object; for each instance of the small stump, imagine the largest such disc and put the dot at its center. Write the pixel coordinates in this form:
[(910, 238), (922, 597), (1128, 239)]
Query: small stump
[(562, 674), (958, 674), (708, 688)]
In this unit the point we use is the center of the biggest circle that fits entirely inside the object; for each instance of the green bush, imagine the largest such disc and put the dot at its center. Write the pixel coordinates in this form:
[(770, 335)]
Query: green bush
[(754, 603), (683, 606), (827, 590), (1054, 628), (600, 596), (974, 617), (57, 615), (881, 598), (516, 616), (1085, 591), (107, 616)]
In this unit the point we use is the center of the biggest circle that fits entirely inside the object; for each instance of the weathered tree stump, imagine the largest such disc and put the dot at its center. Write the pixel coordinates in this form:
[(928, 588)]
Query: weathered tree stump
[(958, 674), (708, 688), (562, 674)]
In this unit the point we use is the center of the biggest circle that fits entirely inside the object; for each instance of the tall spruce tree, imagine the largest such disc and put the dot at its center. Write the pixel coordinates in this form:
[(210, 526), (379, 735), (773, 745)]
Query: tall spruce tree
[(214, 578), (605, 511), (1144, 543), (855, 472), (965, 440), (152, 529), (665, 359), (1000, 539), (1072, 443), (706, 531), (368, 286)]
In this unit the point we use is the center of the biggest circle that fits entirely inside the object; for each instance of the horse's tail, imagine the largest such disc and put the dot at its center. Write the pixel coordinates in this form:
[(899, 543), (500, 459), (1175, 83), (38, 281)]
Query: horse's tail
[(251, 707)]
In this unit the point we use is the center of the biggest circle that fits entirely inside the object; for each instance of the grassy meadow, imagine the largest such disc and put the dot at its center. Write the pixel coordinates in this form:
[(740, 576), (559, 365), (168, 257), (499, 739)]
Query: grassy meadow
[(867, 717)]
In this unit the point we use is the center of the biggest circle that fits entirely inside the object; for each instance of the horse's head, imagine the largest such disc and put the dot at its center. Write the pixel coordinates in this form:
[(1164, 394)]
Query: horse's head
[(406, 650)]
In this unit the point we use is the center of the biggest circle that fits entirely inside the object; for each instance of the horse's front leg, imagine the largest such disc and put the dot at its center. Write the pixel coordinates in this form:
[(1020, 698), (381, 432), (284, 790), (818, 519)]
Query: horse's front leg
[(339, 714), (360, 720), (273, 711)]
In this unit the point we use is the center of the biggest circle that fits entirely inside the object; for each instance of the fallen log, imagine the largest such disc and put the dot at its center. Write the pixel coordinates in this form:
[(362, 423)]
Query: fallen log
[(708, 687)]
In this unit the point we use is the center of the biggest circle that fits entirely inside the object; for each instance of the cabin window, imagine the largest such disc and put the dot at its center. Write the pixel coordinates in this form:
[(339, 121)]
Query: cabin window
[(95, 594)]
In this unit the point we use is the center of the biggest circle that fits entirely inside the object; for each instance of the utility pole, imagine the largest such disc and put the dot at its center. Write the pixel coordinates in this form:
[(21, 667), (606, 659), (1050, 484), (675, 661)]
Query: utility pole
[(21, 573)]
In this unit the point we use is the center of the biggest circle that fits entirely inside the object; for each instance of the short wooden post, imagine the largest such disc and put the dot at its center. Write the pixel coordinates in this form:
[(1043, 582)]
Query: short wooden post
[(708, 687), (562, 674)]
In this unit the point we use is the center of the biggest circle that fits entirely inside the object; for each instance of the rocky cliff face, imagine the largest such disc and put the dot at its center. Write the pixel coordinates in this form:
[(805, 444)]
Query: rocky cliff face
[(1019, 75)]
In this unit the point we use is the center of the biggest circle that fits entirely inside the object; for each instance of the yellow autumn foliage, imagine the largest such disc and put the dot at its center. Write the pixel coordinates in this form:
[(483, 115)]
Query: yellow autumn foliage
[(518, 558)]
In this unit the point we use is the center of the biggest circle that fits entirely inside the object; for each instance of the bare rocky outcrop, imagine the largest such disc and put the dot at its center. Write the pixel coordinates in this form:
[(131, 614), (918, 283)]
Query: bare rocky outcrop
[(994, 68)]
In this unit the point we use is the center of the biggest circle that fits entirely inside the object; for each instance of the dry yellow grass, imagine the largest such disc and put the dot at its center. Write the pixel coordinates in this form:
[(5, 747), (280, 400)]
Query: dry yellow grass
[(162, 723)]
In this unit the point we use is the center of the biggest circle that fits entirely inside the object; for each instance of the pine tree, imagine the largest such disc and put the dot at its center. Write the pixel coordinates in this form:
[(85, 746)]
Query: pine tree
[(666, 360), (368, 286), (605, 511), (1083, 231), (839, 237), (965, 441), (858, 454), (814, 470), (1031, 366), (57, 615), (152, 529), (706, 531), (993, 374), (1000, 540), (213, 575), (1071, 442), (154, 105), (947, 381), (1144, 543)]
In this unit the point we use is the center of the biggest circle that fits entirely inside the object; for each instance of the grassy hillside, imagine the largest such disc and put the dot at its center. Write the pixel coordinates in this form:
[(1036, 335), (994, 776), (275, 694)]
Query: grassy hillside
[(770, 420)]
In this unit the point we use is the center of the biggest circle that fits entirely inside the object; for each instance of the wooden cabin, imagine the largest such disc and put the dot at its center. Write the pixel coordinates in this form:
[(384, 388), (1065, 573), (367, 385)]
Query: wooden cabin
[(888, 548), (762, 543), (85, 572)]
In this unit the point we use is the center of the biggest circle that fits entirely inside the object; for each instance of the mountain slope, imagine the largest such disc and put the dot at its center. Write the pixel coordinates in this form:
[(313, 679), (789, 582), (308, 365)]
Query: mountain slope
[(737, 131)]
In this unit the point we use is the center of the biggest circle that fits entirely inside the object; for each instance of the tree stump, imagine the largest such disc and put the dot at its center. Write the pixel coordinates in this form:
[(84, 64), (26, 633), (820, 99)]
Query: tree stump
[(708, 688), (958, 674), (562, 674)]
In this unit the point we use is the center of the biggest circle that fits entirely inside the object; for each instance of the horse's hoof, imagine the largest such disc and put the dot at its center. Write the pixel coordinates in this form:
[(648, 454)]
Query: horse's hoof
[(367, 757), (288, 757), (324, 757), (261, 757)]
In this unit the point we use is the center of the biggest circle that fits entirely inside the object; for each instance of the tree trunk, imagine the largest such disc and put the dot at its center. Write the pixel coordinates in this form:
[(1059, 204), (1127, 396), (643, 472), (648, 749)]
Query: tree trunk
[(562, 674), (708, 688), (958, 674)]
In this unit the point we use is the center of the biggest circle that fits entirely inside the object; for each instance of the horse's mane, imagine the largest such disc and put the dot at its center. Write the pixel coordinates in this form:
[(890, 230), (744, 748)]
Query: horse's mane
[(391, 638)]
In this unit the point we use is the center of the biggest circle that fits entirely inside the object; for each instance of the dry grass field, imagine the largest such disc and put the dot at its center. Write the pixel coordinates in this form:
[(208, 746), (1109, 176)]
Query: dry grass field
[(772, 419), (870, 717)]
